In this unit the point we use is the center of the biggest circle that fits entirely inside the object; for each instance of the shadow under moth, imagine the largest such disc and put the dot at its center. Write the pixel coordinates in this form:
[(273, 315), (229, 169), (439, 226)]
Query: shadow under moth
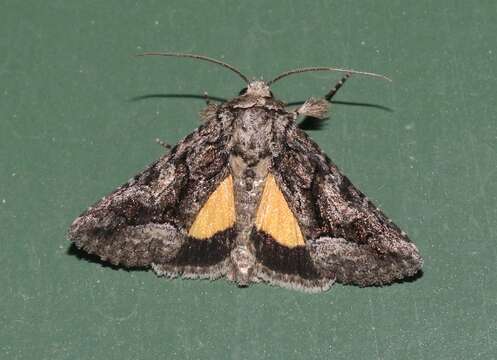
[(250, 197)]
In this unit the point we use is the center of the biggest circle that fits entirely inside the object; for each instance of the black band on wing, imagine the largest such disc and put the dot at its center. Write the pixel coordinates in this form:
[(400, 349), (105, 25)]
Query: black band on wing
[(208, 252), (281, 259)]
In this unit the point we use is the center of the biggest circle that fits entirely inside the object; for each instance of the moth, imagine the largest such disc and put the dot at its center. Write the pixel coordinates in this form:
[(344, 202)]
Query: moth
[(250, 197)]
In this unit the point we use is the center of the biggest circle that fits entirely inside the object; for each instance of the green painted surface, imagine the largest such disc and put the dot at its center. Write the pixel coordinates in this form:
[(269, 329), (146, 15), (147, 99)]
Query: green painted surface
[(74, 125)]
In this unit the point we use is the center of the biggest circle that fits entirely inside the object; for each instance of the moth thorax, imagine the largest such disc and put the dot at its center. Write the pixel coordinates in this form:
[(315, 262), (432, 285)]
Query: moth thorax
[(259, 89)]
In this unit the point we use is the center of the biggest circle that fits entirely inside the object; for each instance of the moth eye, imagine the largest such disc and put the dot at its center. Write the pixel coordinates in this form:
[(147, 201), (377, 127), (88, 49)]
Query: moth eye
[(243, 91)]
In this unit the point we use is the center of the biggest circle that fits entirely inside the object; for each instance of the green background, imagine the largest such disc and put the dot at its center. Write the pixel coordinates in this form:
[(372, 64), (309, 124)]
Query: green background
[(79, 115)]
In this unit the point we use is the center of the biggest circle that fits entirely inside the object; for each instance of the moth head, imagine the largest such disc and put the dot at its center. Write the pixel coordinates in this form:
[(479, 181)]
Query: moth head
[(257, 88)]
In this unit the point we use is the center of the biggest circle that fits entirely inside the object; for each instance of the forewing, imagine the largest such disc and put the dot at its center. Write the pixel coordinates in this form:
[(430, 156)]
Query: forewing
[(348, 238), (147, 220)]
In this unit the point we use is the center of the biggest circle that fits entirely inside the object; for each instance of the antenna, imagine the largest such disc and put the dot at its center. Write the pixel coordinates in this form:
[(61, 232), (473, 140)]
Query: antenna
[(198, 57), (301, 70)]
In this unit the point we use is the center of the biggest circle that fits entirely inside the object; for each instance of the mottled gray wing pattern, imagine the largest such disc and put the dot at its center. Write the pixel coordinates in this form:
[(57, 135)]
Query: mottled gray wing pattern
[(146, 220), (348, 238)]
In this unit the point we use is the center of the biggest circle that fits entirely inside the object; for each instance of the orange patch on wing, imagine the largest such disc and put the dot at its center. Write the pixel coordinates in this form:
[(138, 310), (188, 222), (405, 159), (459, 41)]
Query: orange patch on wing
[(217, 214), (275, 218)]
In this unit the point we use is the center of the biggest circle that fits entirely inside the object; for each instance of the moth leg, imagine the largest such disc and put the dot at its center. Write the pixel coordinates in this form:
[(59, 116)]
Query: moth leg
[(209, 112), (207, 98), (337, 87), (163, 144), (316, 108)]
